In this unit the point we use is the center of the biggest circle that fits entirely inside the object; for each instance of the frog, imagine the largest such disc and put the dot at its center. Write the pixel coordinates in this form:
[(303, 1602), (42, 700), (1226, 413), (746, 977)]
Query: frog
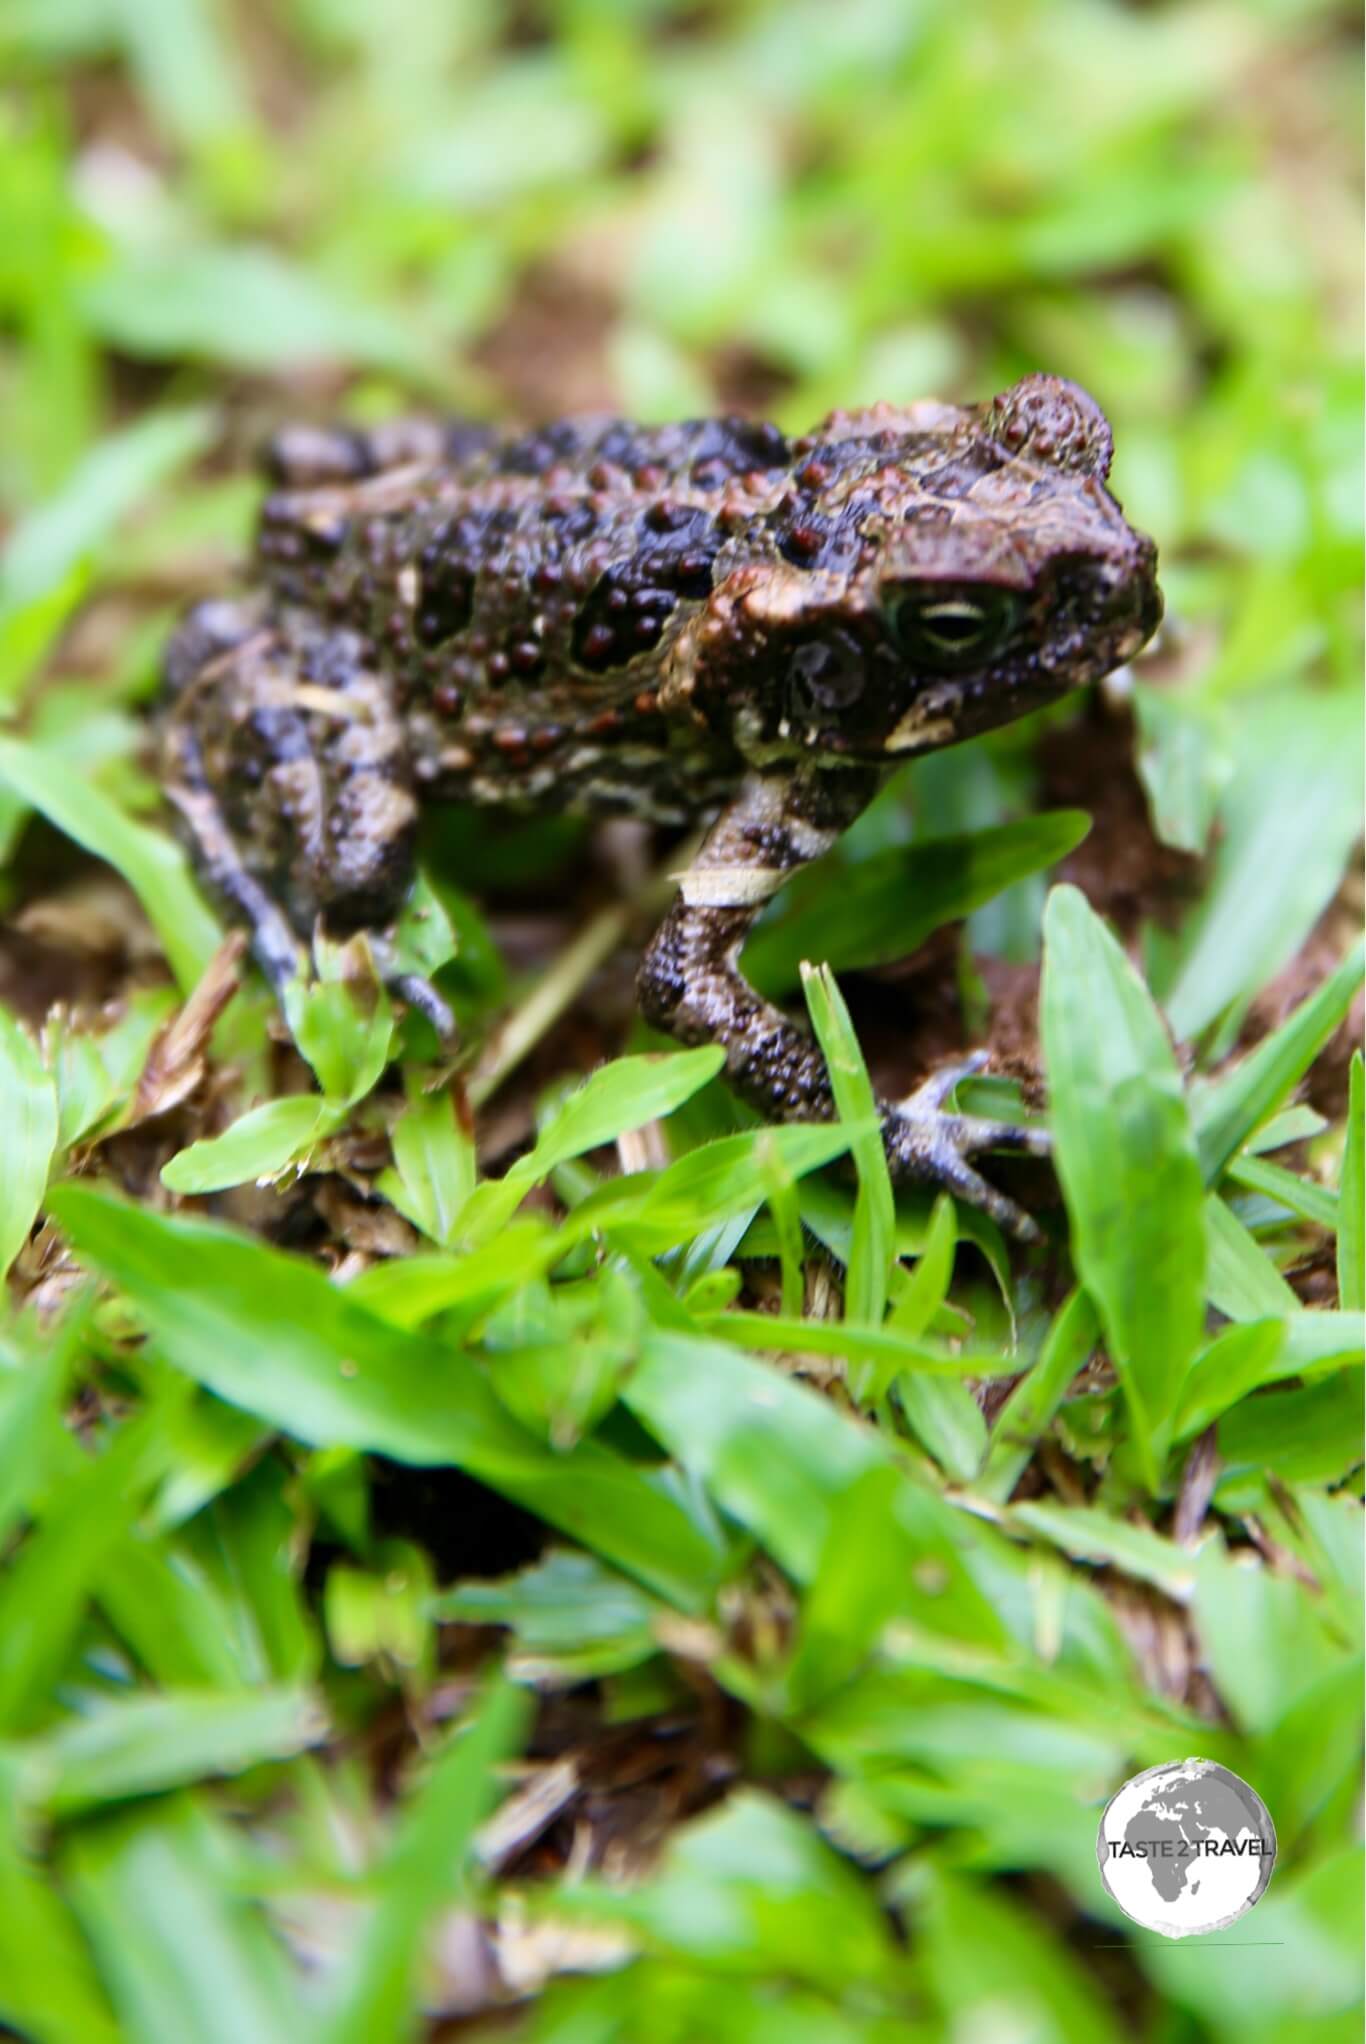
[(709, 622)]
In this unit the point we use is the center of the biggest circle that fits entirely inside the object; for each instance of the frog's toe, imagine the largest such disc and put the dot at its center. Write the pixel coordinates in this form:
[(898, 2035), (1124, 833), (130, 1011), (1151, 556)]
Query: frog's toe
[(412, 987), (419, 993), (926, 1143)]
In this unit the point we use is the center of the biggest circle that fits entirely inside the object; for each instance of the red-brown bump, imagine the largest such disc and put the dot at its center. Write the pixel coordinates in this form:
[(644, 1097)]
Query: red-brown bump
[(446, 699), (496, 667), (597, 640), (813, 475)]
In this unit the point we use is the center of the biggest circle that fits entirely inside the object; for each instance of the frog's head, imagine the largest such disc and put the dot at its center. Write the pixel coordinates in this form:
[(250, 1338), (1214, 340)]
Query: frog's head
[(934, 571)]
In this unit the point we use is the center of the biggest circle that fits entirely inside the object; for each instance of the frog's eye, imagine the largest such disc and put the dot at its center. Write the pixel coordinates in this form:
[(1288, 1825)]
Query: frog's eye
[(826, 674), (947, 631)]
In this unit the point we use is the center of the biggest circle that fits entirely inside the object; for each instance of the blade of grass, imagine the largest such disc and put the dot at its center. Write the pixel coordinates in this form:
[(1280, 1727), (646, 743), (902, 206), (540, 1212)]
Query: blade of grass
[(45, 1587), (49, 1991), (1352, 1196), (1031, 1405), (1302, 1196), (28, 1117), (429, 1869), (872, 1249), (1127, 1163), (154, 868), (1241, 1280), (1228, 1110)]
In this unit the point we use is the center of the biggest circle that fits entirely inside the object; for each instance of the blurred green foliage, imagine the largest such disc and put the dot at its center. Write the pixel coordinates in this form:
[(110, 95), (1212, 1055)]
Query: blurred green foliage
[(216, 213)]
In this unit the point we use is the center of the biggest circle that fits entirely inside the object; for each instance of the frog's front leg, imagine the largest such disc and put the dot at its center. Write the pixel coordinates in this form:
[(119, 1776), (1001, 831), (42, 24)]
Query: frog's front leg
[(285, 755), (691, 985)]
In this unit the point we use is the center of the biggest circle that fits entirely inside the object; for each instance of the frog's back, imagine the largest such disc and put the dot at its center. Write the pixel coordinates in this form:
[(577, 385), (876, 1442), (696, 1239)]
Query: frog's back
[(519, 590)]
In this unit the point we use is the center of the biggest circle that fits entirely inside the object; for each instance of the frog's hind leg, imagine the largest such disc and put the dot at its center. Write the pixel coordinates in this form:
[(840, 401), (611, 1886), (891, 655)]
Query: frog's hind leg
[(286, 758), (691, 985)]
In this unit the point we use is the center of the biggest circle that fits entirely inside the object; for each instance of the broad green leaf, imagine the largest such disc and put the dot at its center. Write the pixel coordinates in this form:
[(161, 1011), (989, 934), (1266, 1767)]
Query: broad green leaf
[(622, 1095), (153, 867), (182, 1951), (886, 905), (342, 1021), (1236, 1362), (705, 1186), (1298, 1981), (187, 66), (410, 1289), (557, 1357), (771, 1453), (28, 1118), (1245, 1357), (434, 1164), (259, 1146), (892, 1556), (32, 1436), (270, 1333), (572, 1619), (1265, 1634), (1311, 1435), (146, 1743), (1127, 1163)]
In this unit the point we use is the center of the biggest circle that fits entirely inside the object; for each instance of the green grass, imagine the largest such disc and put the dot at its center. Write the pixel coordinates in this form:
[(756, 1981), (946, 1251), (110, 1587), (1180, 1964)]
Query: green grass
[(794, 1570)]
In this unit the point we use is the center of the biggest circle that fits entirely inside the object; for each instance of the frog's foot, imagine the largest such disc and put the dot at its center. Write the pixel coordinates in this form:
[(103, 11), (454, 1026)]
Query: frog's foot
[(926, 1143)]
